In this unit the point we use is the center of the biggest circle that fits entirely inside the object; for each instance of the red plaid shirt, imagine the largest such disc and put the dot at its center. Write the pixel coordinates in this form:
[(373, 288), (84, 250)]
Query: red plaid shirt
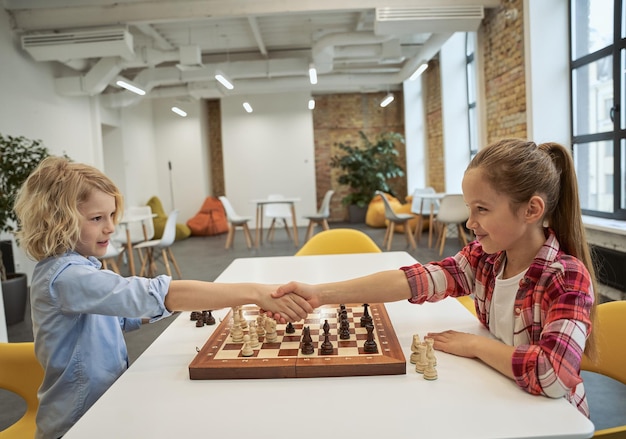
[(552, 311)]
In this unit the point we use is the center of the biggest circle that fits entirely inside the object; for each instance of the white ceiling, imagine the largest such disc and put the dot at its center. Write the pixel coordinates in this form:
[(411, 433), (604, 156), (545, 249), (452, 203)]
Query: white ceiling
[(174, 48)]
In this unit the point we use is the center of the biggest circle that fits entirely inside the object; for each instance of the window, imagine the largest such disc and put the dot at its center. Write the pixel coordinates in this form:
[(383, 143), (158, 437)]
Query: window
[(598, 76), (470, 74)]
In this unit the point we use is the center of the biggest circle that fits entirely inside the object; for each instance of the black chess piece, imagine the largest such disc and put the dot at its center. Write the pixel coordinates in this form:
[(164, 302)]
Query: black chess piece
[(365, 318), (289, 329), (344, 329), (327, 346), (208, 317), (326, 327), (200, 322), (307, 343), (194, 315), (370, 346)]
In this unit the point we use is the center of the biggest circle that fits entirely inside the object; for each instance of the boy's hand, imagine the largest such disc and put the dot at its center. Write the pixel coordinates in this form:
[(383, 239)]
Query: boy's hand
[(285, 308), (304, 291)]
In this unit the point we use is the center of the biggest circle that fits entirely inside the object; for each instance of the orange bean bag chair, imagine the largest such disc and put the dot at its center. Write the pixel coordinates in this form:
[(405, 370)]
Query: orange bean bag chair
[(375, 216), (210, 219)]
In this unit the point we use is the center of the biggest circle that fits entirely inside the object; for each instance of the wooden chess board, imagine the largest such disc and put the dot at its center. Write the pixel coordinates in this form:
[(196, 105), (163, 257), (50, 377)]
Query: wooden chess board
[(221, 358)]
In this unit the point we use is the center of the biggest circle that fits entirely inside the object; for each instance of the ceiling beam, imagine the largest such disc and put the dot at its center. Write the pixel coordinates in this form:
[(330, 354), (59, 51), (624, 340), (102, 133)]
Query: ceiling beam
[(254, 26)]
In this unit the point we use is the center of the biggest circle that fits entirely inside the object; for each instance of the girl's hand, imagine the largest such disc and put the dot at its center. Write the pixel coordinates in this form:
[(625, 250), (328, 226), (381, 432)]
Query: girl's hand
[(285, 308), (305, 291), (454, 342)]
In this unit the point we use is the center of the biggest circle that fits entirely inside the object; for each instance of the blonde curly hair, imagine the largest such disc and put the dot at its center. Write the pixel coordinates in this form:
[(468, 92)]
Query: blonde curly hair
[(46, 206)]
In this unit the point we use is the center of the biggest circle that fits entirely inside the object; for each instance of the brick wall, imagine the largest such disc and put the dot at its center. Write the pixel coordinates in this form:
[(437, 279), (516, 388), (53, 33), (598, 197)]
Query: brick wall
[(338, 119), (434, 127)]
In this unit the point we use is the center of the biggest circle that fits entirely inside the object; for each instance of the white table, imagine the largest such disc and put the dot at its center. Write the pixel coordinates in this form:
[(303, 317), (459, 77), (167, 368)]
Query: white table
[(155, 398), (261, 203), (432, 198), (126, 221)]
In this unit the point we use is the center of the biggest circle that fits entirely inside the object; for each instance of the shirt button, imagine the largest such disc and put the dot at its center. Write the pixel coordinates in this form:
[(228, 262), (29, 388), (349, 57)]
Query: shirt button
[(517, 311)]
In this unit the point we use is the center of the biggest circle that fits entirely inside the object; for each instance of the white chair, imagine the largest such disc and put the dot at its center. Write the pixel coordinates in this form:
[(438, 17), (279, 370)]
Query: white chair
[(321, 217), (138, 226), (115, 251), (160, 247), (394, 218), (421, 206), (234, 221), (278, 213), (452, 211)]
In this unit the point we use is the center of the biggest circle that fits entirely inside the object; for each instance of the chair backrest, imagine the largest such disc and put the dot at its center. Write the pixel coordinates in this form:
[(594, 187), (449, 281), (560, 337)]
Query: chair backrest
[(277, 210), (325, 206), (610, 327), (453, 209), (418, 207), (21, 373), (338, 241), (136, 227), (230, 211), (169, 233), (389, 213)]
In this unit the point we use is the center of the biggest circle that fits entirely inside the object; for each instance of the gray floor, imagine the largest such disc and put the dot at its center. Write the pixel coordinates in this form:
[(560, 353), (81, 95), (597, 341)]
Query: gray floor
[(204, 258)]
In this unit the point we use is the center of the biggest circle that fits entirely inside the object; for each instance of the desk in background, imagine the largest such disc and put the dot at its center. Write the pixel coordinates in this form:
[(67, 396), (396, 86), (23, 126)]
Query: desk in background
[(127, 222), (260, 204), (155, 398)]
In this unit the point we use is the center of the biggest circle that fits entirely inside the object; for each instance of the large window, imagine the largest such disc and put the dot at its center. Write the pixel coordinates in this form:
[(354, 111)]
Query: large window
[(470, 75), (598, 76)]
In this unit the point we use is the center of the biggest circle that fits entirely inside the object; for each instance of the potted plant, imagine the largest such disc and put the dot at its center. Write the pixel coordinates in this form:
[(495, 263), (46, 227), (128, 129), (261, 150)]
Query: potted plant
[(367, 169), (19, 156)]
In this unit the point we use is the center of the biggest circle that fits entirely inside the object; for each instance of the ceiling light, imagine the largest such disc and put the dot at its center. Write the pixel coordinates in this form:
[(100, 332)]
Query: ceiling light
[(311, 104), (419, 71), (388, 100), (130, 86), (248, 107), (180, 112), (312, 74), (224, 80)]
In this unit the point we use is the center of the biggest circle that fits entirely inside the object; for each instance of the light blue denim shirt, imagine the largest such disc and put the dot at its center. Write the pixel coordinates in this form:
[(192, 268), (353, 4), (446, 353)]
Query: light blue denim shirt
[(79, 313)]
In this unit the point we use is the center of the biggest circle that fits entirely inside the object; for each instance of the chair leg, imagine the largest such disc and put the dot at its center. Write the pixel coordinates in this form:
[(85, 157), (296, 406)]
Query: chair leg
[(444, 231), (287, 228), (462, 236), (309, 231), (390, 237), (325, 225), (246, 232), (270, 232), (174, 263), (409, 236), (418, 228), (166, 262), (231, 236)]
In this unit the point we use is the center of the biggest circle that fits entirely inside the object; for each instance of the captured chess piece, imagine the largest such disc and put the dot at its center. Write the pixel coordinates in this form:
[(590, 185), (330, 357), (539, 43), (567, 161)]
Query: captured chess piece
[(193, 315), (370, 346), (307, 347), (208, 317), (199, 322), (415, 349)]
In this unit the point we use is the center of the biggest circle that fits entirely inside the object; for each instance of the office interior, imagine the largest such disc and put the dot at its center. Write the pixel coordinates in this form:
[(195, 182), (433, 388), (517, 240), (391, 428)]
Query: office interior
[(522, 90)]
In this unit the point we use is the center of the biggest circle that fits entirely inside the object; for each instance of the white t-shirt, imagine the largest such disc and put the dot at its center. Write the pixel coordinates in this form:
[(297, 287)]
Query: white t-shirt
[(501, 315)]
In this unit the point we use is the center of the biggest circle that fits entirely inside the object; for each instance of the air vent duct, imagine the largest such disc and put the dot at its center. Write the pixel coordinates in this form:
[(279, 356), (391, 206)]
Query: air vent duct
[(79, 44), (428, 19)]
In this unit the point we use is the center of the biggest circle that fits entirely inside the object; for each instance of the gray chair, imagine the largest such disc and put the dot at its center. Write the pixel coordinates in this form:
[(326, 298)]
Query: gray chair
[(321, 217), (394, 218)]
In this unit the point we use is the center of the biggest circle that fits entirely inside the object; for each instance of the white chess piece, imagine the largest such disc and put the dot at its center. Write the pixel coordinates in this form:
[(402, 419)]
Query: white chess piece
[(415, 349), (421, 362), (254, 336), (247, 350), (270, 330), (236, 333)]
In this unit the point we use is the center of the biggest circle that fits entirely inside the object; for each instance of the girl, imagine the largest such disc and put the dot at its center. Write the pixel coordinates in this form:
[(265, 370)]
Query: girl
[(67, 213), (530, 271)]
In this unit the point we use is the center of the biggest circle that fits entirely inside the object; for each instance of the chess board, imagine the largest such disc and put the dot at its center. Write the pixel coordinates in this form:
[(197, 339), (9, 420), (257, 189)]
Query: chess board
[(221, 358)]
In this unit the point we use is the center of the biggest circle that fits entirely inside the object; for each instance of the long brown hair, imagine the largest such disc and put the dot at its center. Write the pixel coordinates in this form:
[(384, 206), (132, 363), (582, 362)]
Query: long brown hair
[(520, 169)]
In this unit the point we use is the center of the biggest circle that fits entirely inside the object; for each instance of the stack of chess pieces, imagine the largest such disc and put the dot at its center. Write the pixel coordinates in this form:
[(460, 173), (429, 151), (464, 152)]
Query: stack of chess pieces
[(423, 356)]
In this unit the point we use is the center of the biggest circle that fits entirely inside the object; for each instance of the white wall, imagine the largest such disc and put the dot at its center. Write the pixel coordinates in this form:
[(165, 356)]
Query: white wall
[(415, 135), (269, 151)]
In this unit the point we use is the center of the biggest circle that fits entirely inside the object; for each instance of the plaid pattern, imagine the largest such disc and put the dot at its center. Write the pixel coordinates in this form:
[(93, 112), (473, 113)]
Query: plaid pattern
[(552, 311)]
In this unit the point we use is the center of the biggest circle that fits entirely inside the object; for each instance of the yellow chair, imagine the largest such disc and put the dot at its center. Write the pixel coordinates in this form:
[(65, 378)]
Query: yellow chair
[(21, 373), (338, 241), (467, 302), (611, 356)]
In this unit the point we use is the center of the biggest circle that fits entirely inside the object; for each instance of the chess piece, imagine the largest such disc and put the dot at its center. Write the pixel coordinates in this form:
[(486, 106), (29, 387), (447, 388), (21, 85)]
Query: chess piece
[(365, 318), (344, 329), (430, 350), (421, 363), (259, 326), (270, 331), (370, 346), (193, 315), (242, 319), (430, 373), (414, 349), (247, 350), (307, 347), (327, 346), (289, 329), (208, 317), (254, 336), (236, 333), (199, 322), (326, 327)]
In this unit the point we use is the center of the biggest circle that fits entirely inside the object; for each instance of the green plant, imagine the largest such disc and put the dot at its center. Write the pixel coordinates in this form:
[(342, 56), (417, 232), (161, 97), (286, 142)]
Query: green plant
[(19, 156), (368, 168)]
